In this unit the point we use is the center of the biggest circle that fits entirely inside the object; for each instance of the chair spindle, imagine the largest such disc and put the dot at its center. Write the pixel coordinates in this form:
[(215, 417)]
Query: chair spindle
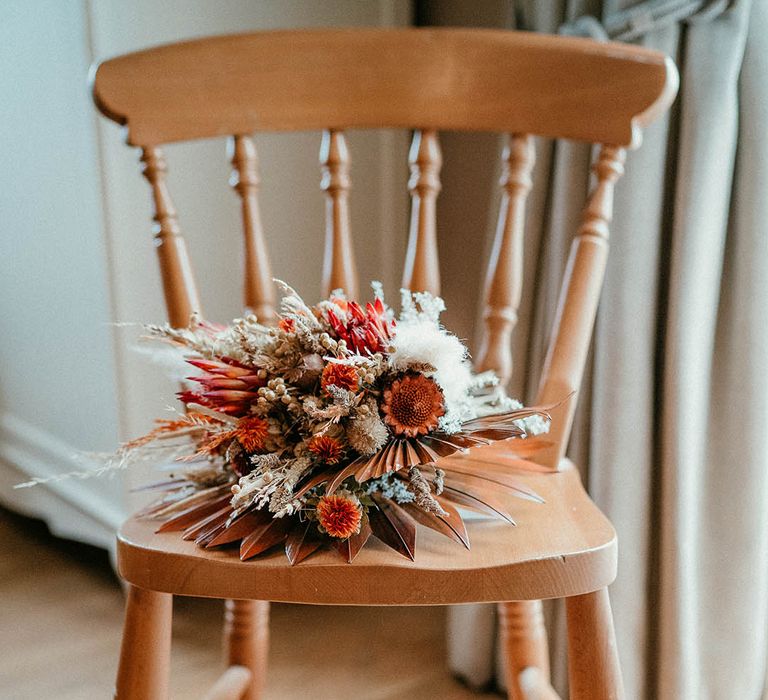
[(339, 270), (181, 297), (577, 305), (524, 643), (259, 290), (145, 654), (504, 281), (246, 641), (422, 269)]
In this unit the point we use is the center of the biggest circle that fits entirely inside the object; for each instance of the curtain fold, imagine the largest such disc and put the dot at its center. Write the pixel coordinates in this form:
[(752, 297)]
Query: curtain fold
[(672, 430)]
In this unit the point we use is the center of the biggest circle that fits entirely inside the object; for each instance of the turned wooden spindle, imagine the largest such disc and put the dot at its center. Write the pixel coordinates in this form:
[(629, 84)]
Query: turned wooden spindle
[(422, 270), (145, 654), (594, 672), (259, 290), (339, 270), (577, 305), (524, 643), (181, 298), (504, 281), (246, 640)]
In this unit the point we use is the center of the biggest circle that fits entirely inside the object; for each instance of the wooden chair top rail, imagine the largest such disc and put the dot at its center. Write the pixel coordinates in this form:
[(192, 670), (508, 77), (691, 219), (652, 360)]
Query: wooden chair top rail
[(446, 79)]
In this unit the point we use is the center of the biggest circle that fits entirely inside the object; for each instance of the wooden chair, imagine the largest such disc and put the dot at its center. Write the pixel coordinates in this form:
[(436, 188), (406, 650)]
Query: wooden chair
[(427, 79)]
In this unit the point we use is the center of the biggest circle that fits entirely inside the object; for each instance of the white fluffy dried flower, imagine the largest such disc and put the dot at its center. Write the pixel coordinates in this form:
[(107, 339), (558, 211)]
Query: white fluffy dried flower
[(420, 341), (367, 434)]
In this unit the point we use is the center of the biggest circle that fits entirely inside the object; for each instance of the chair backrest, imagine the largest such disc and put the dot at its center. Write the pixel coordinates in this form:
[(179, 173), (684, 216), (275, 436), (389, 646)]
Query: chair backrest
[(424, 79)]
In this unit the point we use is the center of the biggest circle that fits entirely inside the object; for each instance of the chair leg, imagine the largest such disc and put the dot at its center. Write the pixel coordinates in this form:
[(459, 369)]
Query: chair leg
[(524, 641), (246, 640), (593, 661), (145, 654)]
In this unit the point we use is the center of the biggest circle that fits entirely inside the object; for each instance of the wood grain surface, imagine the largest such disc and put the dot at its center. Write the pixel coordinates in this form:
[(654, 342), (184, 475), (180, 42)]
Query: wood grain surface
[(562, 547), (457, 79)]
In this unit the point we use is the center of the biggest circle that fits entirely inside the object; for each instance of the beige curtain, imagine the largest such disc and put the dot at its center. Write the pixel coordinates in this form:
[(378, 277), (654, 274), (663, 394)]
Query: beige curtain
[(672, 432)]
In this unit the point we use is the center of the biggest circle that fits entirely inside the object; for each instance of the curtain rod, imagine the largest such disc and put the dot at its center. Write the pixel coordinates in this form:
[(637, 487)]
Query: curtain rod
[(645, 17)]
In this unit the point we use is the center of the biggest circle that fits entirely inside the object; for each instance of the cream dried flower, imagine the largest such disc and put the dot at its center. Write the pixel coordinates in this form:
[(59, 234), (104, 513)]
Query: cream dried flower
[(419, 486), (366, 433)]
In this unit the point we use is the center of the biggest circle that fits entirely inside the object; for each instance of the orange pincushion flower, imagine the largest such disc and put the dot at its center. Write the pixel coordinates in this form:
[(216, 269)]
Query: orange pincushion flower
[(339, 516), (328, 449), (343, 376), (412, 405), (252, 433)]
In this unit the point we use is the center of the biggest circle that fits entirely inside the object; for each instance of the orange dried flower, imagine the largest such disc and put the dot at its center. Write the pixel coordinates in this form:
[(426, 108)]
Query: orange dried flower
[(412, 405), (288, 325), (164, 427), (211, 443), (251, 433), (339, 516), (328, 449), (343, 376)]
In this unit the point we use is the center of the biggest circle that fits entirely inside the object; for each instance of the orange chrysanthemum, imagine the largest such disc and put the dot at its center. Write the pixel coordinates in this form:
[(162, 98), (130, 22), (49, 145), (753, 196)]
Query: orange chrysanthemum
[(252, 433), (339, 516), (412, 405), (343, 376), (328, 449)]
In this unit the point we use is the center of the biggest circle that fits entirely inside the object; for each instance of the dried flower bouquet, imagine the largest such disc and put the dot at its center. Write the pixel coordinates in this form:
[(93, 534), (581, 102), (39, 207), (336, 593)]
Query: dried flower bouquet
[(329, 428)]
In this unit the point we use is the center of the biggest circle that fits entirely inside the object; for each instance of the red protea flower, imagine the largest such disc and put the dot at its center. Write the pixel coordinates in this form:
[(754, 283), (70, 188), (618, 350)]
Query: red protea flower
[(327, 449), (365, 332), (339, 516), (412, 405), (343, 376), (227, 387)]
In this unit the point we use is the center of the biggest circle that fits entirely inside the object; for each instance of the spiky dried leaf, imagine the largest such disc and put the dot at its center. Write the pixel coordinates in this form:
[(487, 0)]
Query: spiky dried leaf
[(394, 527)]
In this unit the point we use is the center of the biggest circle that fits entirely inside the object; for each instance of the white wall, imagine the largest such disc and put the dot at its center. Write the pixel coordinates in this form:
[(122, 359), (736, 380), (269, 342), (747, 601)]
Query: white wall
[(76, 249), (57, 371)]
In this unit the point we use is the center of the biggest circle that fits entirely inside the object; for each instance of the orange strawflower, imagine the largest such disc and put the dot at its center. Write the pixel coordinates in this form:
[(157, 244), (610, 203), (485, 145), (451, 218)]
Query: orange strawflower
[(328, 449), (343, 376), (339, 516), (412, 405), (251, 433)]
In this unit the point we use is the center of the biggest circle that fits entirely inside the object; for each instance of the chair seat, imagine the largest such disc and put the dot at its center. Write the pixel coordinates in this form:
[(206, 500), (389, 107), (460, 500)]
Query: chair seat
[(562, 547)]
